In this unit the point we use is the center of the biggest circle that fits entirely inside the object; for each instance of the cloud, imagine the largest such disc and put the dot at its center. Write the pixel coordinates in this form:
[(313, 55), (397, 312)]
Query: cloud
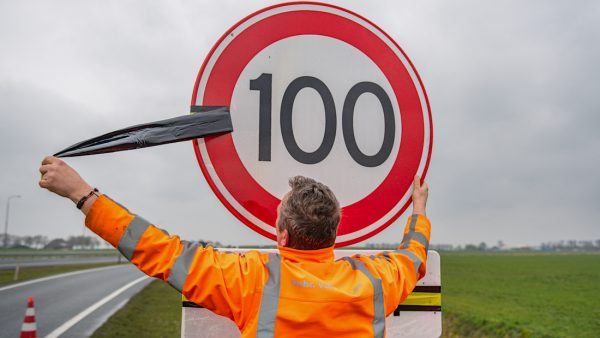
[(513, 88)]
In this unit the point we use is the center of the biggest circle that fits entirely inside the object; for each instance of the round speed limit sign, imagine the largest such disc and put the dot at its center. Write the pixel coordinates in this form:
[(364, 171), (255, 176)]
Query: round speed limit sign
[(319, 91)]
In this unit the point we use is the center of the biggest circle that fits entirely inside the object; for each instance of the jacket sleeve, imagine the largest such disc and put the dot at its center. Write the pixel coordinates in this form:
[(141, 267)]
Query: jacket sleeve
[(224, 283), (400, 270)]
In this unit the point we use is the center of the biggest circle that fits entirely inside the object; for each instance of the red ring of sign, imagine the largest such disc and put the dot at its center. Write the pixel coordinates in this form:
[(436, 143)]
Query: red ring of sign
[(240, 51)]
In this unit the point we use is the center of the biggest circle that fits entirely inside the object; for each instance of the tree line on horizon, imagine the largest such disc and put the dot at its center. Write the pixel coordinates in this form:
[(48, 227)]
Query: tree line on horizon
[(43, 242), (558, 246), (92, 242)]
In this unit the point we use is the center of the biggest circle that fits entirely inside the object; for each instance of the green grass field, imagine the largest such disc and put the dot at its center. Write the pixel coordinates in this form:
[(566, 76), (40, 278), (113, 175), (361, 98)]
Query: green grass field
[(7, 276), (521, 295), (484, 295), (47, 253), (154, 312)]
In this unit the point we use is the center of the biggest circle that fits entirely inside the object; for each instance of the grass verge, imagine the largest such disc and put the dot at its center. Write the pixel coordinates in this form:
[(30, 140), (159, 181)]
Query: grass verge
[(153, 312), (7, 276), (527, 295), (51, 253)]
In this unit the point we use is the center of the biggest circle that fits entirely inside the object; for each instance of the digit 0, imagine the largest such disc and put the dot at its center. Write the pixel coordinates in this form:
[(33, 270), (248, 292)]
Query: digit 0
[(287, 130), (348, 124)]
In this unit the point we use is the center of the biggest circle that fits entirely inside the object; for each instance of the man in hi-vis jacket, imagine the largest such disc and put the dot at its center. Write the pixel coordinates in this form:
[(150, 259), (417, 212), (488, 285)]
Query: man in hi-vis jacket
[(299, 292)]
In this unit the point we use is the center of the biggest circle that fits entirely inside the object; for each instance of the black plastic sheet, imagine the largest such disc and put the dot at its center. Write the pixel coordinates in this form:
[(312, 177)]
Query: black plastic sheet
[(204, 121)]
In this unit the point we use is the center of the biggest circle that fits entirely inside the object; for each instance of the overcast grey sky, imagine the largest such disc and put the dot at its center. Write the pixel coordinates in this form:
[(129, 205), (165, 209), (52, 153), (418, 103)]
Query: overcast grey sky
[(513, 85)]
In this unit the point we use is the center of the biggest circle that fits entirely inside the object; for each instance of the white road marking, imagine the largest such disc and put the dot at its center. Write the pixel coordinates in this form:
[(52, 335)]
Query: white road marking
[(54, 277), (69, 323)]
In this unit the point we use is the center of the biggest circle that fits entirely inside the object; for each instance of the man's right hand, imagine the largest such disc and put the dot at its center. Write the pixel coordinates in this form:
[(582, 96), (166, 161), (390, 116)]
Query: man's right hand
[(59, 178), (419, 195)]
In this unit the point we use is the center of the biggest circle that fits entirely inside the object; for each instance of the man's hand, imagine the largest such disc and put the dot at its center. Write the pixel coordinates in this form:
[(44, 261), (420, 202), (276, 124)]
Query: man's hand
[(419, 195), (62, 180)]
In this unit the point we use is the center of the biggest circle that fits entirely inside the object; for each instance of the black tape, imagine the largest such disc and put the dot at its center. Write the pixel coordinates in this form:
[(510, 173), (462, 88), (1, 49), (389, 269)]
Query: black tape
[(430, 308), (187, 303), (428, 288), (208, 120)]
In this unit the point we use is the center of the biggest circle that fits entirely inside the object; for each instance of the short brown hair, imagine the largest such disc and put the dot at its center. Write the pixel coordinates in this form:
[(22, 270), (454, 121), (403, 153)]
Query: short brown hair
[(310, 213)]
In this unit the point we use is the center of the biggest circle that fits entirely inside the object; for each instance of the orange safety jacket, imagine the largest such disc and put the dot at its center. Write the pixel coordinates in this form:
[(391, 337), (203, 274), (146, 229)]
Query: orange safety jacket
[(296, 293)]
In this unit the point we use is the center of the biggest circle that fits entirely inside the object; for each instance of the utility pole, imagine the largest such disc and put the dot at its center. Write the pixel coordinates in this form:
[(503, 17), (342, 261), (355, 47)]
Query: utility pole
[(6, 219)]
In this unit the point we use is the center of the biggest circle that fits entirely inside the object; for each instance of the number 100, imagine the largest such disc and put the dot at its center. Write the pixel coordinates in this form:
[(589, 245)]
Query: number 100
[(263, 84)]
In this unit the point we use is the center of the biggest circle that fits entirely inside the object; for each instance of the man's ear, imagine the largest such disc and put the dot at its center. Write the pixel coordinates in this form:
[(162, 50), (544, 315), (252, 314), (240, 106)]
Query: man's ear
[(283, 238)]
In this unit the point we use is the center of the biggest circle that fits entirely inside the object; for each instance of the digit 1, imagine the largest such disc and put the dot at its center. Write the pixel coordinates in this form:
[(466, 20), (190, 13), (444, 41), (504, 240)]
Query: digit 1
[(287, 131), (348, 124), (264, 84)]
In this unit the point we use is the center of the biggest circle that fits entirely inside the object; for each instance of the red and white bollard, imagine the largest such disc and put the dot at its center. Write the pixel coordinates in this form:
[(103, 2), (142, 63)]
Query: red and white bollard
[(29, 328)]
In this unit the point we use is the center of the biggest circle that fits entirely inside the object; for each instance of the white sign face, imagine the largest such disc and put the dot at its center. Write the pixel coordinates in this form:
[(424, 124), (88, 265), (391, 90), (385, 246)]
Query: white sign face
[(318, 91), (313, 54)]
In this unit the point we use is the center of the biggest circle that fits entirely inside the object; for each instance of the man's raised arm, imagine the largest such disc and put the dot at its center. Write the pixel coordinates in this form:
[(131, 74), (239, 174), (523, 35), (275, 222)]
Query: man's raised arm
[(221, 282), (400, 270)]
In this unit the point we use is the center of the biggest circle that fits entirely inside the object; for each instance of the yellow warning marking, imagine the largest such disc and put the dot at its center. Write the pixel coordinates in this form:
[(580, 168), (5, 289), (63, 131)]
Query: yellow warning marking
[(423, 298)]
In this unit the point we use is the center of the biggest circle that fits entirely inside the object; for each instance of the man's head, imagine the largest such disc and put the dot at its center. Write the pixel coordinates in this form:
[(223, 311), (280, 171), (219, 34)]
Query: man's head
[(308, 215)]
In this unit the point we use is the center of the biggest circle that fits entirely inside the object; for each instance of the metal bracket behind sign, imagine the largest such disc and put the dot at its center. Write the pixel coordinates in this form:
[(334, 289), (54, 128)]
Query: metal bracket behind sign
[(420, 315)]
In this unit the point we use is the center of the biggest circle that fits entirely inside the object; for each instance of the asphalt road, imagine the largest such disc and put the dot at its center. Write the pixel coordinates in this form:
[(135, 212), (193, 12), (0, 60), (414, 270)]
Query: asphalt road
[(11, 263), (70, 305)]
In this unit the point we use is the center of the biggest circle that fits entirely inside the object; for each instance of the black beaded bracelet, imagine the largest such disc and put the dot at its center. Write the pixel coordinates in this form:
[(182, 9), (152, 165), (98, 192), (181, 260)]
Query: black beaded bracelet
[(85, 198)]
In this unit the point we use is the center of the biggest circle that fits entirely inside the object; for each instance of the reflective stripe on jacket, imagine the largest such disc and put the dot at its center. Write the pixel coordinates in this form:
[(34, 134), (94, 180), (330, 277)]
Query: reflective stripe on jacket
[(296, 293)]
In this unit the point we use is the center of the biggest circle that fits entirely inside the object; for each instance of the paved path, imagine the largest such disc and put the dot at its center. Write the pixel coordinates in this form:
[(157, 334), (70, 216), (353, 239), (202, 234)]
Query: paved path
[(70, 305)]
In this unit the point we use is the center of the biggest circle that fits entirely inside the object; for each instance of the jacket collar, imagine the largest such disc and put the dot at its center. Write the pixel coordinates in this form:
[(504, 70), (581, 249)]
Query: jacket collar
[(318, 256)]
